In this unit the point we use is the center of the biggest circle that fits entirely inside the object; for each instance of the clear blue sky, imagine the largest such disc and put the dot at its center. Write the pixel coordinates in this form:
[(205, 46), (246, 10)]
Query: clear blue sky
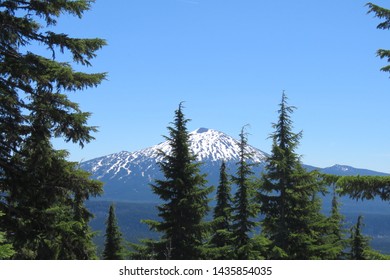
[(230, 60)]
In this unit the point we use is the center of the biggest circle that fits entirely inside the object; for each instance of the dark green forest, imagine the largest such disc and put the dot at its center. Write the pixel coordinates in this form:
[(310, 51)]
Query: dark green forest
[(44, 197)]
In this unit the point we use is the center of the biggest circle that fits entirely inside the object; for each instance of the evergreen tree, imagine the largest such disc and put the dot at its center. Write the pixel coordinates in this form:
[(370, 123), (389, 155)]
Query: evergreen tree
[(336, 232), (185, 198), (221, 240), (359, 243), (43, 193), (332, 243), (364, 187), (148, 249), (113, 249), (244, 207), (336, 216), (6, 251), (382, 13), (288, 196), (47, 216), (360, 247)]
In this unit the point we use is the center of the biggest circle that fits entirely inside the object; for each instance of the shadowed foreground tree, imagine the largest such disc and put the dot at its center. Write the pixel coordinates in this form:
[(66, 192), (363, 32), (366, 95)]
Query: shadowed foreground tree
[(42, 195)]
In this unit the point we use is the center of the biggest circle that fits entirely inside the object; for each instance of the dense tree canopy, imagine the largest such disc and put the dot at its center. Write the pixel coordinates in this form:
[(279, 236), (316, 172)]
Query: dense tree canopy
[(42, 193), (31, 85)]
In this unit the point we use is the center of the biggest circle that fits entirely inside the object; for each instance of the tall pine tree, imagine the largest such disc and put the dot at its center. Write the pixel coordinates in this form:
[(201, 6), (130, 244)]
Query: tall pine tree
[(221, 242), (184, 195), (113, 249), (359, 243), (244, 207), (288, 196), (336, 241), (43, 193)]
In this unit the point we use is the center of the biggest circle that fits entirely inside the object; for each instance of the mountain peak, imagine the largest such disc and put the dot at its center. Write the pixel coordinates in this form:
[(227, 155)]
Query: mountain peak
[(339, 169), (208, 145), (201, 130), (214, 145), (128, 174)]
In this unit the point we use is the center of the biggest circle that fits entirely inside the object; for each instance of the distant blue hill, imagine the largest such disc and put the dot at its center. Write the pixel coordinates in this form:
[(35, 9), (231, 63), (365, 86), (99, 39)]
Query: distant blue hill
[(344, 170)]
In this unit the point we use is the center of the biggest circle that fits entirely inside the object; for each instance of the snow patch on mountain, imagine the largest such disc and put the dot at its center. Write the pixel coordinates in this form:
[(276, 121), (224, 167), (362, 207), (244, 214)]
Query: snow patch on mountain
[(208, 145), (128, 175)]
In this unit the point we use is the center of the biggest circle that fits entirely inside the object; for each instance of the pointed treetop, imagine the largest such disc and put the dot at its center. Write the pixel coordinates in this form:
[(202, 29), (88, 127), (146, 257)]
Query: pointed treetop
[(283, 135), (202, 130), (285, 110)]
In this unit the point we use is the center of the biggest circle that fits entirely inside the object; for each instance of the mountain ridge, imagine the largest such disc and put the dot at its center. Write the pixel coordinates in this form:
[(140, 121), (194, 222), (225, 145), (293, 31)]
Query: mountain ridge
[(128, 175)]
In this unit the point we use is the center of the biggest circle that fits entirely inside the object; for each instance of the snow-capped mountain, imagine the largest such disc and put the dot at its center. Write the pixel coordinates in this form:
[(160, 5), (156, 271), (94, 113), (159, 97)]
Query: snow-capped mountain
[(127, 175), (213, 145)]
